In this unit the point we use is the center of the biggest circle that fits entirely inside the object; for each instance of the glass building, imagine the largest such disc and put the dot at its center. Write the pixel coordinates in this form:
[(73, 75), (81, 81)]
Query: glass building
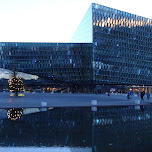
[(63, 62), (109, 47), (122, 46)]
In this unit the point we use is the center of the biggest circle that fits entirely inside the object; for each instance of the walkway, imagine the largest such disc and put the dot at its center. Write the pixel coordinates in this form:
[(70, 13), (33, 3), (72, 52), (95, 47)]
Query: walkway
[(67, 99)]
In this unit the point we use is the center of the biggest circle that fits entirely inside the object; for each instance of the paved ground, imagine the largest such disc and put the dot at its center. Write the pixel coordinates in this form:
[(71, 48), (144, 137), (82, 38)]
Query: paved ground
[(67, 99)]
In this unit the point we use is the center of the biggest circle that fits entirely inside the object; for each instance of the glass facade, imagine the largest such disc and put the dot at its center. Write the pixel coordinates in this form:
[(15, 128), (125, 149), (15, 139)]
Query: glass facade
[(122, 46), (62, 61), (84, 32)]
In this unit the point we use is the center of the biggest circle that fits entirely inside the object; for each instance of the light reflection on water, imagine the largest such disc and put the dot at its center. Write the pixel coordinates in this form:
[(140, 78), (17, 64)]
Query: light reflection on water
[(44, 149), (125, 128)]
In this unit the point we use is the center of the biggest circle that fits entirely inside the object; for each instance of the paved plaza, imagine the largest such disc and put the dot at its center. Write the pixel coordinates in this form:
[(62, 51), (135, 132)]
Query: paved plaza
[(67, 100)]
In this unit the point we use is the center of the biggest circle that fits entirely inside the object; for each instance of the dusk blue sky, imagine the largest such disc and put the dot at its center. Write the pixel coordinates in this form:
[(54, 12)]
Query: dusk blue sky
[(54, 20)]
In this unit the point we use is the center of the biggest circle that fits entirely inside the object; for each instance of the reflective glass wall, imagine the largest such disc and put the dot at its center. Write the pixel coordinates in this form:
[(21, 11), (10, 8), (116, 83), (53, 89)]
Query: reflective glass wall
[(63, 61), (122, 47), (83, 34)]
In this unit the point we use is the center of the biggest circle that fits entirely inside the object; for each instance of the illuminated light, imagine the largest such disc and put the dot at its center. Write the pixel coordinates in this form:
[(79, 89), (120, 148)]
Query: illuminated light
[(100, 24), (12, 114), (97, 121), (108, 20), (103, 24)]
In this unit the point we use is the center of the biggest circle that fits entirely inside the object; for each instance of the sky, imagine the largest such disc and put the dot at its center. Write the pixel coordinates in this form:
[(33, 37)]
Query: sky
[(54, 20)]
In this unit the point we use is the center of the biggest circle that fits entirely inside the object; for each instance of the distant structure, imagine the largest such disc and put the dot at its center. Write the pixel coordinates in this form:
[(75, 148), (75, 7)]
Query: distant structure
[(110, 47)]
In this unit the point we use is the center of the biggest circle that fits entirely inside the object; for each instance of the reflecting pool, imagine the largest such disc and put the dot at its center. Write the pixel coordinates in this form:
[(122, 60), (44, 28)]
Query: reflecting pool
[(116, 129)]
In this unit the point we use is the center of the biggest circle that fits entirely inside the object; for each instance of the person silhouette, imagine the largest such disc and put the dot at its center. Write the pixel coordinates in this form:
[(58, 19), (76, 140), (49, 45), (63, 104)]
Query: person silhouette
[(142, 95), (148, 95)]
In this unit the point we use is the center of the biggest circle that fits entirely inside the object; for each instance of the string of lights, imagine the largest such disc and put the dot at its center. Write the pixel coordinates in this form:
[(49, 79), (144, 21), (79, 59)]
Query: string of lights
[(14, 113), (15, 83)]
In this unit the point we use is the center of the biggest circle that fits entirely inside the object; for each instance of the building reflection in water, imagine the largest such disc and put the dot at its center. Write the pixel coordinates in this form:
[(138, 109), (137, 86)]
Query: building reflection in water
[(114, 128)]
